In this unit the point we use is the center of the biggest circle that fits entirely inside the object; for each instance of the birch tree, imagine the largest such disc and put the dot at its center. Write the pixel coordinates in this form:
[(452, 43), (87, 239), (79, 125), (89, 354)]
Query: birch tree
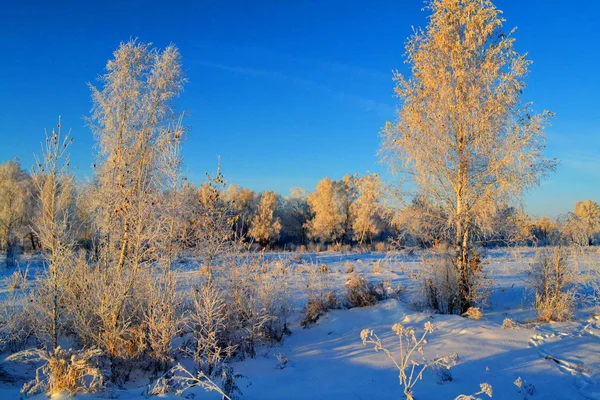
[(326, 224), (367, 210), (463, 134)]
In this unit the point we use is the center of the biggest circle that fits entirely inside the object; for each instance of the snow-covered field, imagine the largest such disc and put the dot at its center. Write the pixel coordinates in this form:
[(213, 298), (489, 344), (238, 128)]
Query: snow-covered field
[(329, 361)]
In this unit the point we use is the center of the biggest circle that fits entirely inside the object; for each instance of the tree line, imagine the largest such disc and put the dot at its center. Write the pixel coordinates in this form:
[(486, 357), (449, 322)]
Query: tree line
[(355, 211)]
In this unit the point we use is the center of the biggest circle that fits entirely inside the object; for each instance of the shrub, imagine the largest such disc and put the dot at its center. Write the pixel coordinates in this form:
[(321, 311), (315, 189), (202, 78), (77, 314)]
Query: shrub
[(484, 388), (18, 279), (523, 388), (551, 278), (377, 267), (508, 324), (71, 371), (359, 292), (318, 306), (15, 322), (178, 380), (439, 282), (349, 267), (257, 302), (380, 247), (324, 269), (320, 297), (473, 313), (206, 320)]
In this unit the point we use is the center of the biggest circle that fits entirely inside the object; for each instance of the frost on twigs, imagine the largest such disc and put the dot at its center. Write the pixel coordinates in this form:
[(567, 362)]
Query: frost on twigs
[(410, 366)]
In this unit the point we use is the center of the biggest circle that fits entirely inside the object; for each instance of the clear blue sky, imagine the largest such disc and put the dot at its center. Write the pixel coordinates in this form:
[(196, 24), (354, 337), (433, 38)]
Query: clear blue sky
[(287, 92)]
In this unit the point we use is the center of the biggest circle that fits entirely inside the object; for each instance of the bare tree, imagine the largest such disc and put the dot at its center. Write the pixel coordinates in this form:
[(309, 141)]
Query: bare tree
[(463, 134)]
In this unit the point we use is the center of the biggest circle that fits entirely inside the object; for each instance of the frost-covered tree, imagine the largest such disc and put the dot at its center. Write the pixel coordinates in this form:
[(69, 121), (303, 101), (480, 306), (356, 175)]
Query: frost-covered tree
[(54, 228), (131, 117), (265, 226), (15, 206), (368, 209), (327, 222), (135, 128), (588, 212), (421, 223), (214, 221), (463, 134), (243, 203), (545, 231), (295, 215), (346, 195)]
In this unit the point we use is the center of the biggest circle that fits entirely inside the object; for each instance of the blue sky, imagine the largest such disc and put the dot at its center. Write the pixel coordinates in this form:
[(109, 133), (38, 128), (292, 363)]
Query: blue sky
[(287, 92)]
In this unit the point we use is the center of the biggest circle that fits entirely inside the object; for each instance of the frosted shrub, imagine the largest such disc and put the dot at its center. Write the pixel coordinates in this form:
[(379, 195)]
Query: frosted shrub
[(18, 279), (523, 388), (15, 322), (377, 267), (257, 297), (359, 292), (349, 267), (473, 313), (163, 320), (178, 380), (108, 310), (320, 296), (439, 282), (551, 278), (206, 319), (71, 371), (410, 367), (484, 388), (386, 289), (318, 306), (282, 361), (508, 324), (274, 296)]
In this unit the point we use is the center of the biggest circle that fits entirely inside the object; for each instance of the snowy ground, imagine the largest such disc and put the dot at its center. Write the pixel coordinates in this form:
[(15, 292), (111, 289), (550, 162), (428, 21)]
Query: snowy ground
[(328, 360)]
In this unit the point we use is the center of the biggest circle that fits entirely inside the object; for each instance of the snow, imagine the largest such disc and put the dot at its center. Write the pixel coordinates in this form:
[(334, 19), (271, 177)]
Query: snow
[(329, 361)]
